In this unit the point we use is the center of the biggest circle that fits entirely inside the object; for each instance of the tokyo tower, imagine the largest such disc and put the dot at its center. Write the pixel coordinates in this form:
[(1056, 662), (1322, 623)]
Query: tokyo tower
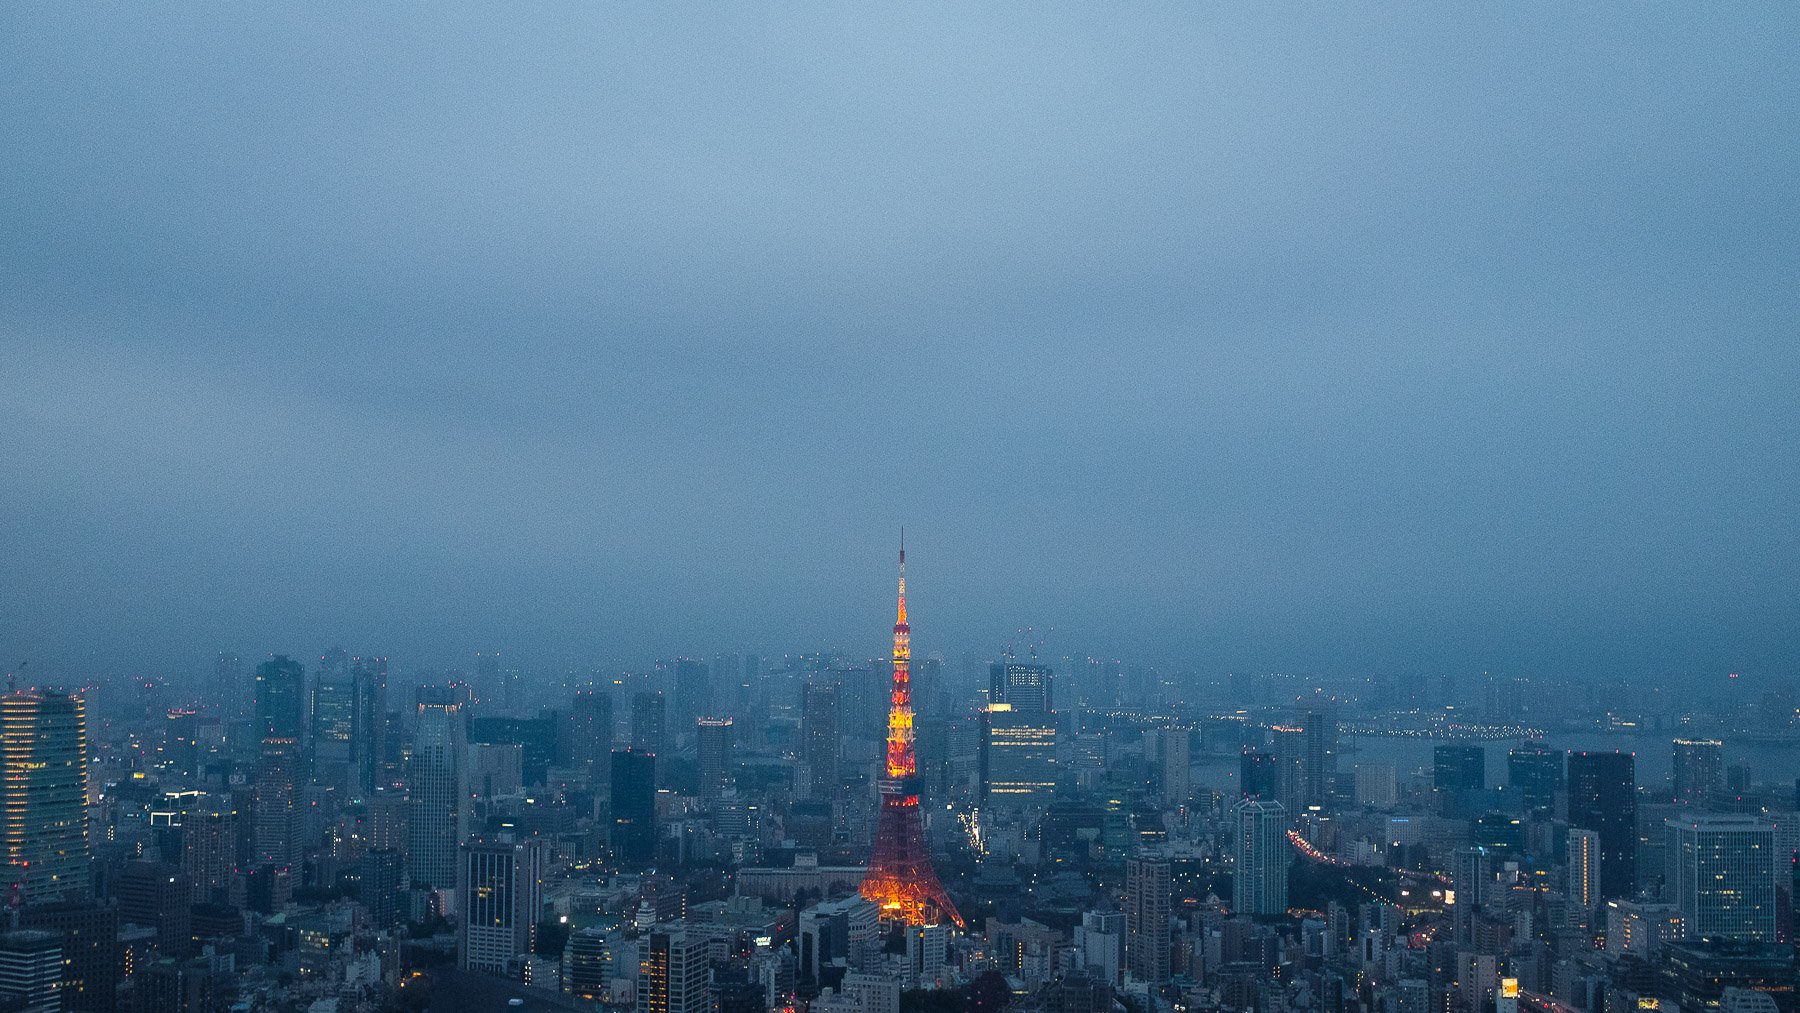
[(900, 878)]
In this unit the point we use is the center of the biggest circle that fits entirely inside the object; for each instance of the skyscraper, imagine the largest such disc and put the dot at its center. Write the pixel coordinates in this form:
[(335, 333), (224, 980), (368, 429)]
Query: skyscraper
[(1259, 775), (31, 970), (672, 973), (90, 951), (487, 678), (1261, 857), (584, 733), (1584, 871), (1173, 748), (1697, 768), (633, 806), (157, 895), (1720, 874), (280, 689), (278, 705), (715, 749), (900, 876), (1603, 798), (693, 692), (438, 795), (821, 710), (368, 728), (1288, 745), (500, 891), (44, 771), (1458, 774), (1321, 754), (228, 685), (333, 715), (1534, 771), (1017, 757), (1026, 688), (649, 714), (1149, 895)]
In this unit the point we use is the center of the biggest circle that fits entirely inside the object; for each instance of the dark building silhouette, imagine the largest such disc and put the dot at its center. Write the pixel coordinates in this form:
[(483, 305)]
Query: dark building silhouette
[(649, 717), (693, 692), (584, 732), (1603, 798), (157, 895), (820, 724), (1534, 772), (1259, 775), (90, 950), (1458, 775), (716, 752), (633, 806)]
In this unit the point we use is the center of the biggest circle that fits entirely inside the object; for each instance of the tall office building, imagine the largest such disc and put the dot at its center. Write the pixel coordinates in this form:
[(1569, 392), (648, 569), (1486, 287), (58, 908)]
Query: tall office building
[(44, 771), (1023, 687), (1100, 944), (1475, 888), (715, 749), (278, 701), (584, 732), (90, 951), (438, 789), (280, 695), (333, 720), (1149, 895), (1173, 747), (1458, 775), (31, 970), (368, 726), (1376, 785), (1584, 871), (1534, 772), (157, 895), (633, 806), (228, 686), (487, 678), (587, 964), (1287, 743), (672, 973), (693, 692), (821, 710), (1261, 854), (1697, 768), (500, 896), (1259, 775), (649, 715), (1603, 798), (1718, 870), (1321, 754), (1017, 757)]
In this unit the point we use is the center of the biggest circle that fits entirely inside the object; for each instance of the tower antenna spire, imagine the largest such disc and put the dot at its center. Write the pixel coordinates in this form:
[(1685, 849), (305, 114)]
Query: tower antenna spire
[(900, 877)]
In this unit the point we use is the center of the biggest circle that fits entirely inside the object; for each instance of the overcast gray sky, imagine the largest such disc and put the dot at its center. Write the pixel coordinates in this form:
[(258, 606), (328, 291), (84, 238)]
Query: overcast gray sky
[(1219, 336)]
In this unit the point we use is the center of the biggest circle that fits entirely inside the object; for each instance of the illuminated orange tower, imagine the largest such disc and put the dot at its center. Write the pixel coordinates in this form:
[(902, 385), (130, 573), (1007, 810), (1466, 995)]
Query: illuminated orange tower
[(900, 877)]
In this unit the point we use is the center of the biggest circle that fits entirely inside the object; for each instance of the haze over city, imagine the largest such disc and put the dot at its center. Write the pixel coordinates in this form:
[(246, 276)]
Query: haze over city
[(711, 508), (1407, 340)]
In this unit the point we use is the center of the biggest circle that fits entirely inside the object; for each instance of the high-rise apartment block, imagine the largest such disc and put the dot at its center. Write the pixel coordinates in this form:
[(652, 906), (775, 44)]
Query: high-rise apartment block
[(1261, 856), (1149, 895)]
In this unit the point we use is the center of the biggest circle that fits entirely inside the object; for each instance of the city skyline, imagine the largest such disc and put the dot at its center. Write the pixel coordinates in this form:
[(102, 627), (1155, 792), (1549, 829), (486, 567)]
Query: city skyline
[(458, 465)]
